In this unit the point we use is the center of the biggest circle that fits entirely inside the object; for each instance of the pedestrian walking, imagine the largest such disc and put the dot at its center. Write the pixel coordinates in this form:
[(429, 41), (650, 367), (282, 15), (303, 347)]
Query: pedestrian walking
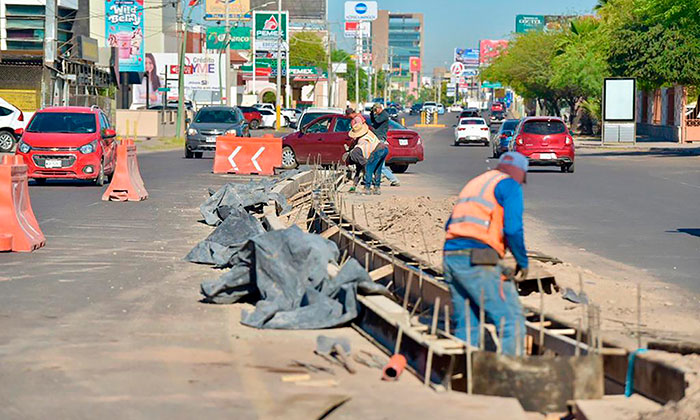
[(487, 218), (380, 126), (374, 151)]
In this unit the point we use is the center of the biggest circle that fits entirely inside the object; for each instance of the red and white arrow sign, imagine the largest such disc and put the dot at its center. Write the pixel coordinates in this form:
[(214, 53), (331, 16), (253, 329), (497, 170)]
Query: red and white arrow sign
[(253, 159)]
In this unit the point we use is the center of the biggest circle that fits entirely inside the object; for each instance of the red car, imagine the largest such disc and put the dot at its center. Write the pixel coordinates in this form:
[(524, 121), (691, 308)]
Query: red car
[(498, 107), (545, 141), (69, 142), (327, 137), (252, 115)]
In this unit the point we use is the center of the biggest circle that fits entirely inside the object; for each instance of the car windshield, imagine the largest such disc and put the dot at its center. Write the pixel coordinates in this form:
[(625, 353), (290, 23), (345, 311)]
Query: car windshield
[(216, 116), (310, 116), (509, 126), (429, 104), (544, 127), (472, 121), (63, 122)]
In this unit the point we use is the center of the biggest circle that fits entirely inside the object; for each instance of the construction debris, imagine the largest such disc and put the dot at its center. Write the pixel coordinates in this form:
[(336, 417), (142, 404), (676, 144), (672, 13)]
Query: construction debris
[(244, 197), (337, 348)]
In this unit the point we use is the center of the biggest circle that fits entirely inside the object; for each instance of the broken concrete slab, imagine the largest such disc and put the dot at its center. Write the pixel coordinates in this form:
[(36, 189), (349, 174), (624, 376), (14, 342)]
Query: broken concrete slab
[(613, 407)]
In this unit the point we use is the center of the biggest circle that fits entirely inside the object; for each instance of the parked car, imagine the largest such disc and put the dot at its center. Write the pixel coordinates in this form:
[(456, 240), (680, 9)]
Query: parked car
[(293, 114), (312, 113), (209, 123), (416, 109), (393, 113), (500, 142), (11, 120), (252, 116), (269, 107), (327, 137), (441, 109), (269, 119), (471, 130), (69, 142), (545, 141), (455, 108), (430, 107)]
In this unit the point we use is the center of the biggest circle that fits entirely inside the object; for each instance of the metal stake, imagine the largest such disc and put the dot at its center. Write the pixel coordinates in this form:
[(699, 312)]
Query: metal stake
[(541, 343), (482, 345), (447, 318), (407, 292), (436, 316), (639, 316)]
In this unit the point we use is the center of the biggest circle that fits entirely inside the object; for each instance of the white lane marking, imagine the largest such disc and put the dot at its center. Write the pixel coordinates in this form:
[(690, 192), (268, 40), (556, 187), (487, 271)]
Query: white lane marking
[(232, 155), (255, 156)]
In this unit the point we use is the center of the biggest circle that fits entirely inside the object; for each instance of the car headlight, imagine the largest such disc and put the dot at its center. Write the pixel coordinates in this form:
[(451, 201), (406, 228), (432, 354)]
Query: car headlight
[(232, 131), (191, 131), (88, 148), (24, 147)]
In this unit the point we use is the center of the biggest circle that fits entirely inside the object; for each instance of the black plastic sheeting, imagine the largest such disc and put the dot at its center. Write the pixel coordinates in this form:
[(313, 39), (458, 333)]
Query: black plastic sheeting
[(239, 196), (231, 235), (287, 272)]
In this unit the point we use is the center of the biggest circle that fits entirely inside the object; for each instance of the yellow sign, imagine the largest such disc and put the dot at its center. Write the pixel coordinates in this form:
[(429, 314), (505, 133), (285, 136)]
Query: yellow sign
[(237, 9), (25, 99)]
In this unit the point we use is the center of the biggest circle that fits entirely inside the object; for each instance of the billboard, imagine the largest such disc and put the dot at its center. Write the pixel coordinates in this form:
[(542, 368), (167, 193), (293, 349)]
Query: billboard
[(489, 49), (467, 56), (360, 10), (237, 9), (414, 64), (266, 30), (529, 23), (557, 22), (201, 72), (124, 31), (216, 38), (619, 99), (298, 9), (355, 29)]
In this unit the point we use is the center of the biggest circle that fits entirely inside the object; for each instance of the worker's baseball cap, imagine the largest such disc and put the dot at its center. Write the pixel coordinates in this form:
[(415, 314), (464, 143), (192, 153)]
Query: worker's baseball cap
[(514, 160)]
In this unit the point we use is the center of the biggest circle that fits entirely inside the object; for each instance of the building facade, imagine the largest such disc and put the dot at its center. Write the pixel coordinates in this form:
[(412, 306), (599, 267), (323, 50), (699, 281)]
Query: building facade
[(396, 37)]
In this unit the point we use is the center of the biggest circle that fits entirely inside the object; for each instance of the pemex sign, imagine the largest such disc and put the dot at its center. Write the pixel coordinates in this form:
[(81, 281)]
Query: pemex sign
[(266, 29)]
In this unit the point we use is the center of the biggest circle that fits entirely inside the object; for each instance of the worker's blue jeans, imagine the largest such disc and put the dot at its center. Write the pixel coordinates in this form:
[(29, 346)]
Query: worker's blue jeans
[(386, 171), (373, 169), (467, 282)]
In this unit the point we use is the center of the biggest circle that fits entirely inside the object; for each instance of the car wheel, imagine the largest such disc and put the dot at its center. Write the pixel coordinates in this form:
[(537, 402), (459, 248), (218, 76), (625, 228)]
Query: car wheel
[(286, 121), (568, 168), (398, 168), (7, 141), (198, 155), (40, 181), (188, 153), (289, 158), (456, 143), (254, 124), (100, 180)]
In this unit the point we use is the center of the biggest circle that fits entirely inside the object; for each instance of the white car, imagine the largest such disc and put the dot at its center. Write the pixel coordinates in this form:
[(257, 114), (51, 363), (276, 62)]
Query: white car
[(11, 119), (430, 107), (312, 113), (455, 108), (269, 107), (472, 130), (269, 119)]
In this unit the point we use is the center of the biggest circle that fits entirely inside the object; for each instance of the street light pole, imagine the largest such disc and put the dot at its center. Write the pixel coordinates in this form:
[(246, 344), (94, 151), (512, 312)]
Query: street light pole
[(279, 64), (181, 80)]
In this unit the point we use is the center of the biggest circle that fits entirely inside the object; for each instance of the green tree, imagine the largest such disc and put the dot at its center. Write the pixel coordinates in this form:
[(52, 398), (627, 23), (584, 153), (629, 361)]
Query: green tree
[(307, 49)]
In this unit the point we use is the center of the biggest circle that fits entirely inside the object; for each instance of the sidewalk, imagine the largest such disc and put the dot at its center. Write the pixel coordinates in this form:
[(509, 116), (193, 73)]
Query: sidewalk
[(643, 145)]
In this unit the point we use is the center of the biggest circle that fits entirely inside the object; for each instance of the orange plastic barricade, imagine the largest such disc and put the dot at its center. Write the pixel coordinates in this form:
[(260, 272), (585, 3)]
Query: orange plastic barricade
[(19, 230), (127, 184), (248, 155)]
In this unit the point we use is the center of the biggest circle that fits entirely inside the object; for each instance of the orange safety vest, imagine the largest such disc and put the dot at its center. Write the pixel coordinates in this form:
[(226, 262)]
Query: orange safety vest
[(477, 214)]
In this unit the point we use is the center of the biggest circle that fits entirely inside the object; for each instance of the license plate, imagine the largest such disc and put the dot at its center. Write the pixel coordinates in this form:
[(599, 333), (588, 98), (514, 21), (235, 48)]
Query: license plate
[(52, 163), (473, 137), (548, 156), (210, 139), (403, 142)]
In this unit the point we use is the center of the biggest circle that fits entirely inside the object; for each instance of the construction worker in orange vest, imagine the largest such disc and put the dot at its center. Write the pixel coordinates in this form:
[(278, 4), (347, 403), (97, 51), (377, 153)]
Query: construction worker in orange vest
[(487, 219)]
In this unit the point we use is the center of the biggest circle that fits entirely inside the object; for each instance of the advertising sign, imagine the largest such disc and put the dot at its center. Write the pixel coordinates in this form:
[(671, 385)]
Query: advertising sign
[(489, 49), (340, 68), (470, 72), (266, 30), (360, 10), (201, 72), (618, 99), (467, 56), (490, 85), (237, 9), (554, 23), (457, 68), (216, 38), (355, 29), (414, 64), (528, 23), (124, 31), (298, 9)]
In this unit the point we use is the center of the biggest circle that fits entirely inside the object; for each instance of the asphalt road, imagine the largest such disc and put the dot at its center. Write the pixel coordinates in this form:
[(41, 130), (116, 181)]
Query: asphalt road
[(640, 209)]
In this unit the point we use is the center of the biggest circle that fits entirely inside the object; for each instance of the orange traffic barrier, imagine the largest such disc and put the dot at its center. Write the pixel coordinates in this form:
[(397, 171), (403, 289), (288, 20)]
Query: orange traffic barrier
[(394, 368), (248, 155), (19, 230), (126, 184)]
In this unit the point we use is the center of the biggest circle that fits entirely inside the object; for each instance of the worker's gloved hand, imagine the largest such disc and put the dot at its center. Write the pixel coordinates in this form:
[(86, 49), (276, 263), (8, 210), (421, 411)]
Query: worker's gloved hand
[(522, 271)]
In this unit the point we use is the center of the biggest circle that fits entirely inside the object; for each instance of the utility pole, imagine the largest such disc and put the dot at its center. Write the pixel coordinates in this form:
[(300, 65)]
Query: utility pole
[(50, 45), (226, 92), (179, 126), (279, 63), (330, 63), (358, 52), (391, 71)]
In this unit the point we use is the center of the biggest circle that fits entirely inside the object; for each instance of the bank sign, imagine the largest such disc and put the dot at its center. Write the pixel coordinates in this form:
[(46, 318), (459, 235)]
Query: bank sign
[(360, 10), (266, 30), (124, 31), (528, 23), (216, 38)]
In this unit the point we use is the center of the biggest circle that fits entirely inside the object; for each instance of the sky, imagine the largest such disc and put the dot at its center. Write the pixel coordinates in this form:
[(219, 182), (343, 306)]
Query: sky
[(461, 23)]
